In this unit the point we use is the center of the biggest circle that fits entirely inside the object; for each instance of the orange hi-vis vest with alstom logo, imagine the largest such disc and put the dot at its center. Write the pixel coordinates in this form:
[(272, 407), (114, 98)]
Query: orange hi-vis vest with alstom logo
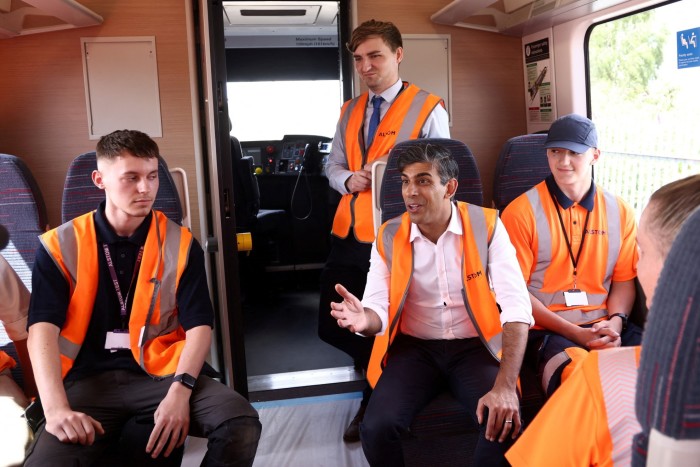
[(403, 121), (395, 247), (156, 337)]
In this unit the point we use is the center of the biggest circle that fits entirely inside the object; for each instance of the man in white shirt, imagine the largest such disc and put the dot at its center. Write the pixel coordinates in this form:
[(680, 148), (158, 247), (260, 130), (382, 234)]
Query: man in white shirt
[(429, 301), (389, 112)]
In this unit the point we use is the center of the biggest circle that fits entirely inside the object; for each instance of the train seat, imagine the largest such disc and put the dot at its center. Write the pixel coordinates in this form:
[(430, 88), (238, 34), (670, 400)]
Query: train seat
[(80, 195), (23, 214), (521, 165)]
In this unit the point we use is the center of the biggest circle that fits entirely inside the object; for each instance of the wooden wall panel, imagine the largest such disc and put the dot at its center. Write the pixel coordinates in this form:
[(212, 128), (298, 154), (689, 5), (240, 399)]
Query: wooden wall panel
[(43, 115), (487, 78)]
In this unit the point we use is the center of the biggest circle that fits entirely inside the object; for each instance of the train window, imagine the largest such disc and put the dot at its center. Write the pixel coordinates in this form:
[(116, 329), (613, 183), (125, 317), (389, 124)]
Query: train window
[(643, 72), (268, 110)]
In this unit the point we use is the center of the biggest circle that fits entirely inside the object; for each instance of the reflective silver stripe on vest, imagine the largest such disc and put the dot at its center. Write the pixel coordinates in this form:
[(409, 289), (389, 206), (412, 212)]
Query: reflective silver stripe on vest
[(618, 380), (481, 238), (167, 287), (68, 245), (412, 116), (481, 235), (544, 259), (553, 364), (389, 232), (346, 119)]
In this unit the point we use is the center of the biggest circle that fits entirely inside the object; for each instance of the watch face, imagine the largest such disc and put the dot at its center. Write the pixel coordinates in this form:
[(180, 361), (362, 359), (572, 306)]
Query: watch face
[(186, 379)]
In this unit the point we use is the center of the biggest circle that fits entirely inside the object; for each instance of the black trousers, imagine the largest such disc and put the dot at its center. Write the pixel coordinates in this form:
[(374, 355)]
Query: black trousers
[(415, 372), (347, 264), (217, 412)]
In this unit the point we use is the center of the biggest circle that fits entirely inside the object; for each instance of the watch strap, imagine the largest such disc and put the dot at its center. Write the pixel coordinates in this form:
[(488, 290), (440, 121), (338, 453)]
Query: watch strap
[(622, 316)]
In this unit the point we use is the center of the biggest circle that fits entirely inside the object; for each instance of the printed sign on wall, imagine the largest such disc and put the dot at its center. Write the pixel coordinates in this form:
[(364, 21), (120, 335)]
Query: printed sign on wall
[(539, 89)]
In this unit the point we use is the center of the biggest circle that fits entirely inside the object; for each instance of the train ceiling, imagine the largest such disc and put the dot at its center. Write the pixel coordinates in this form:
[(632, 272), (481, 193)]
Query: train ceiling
[(34, 16), (516, 17)]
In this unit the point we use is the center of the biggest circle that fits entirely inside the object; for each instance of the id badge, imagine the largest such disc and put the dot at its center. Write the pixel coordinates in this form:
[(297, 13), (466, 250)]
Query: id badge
[(575, 297), (117, 340)]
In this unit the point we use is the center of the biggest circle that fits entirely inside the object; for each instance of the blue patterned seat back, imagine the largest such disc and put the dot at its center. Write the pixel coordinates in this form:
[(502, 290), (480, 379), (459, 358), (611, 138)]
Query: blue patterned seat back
[(521, 165), (469, 187), (23, 213), (80, 195)]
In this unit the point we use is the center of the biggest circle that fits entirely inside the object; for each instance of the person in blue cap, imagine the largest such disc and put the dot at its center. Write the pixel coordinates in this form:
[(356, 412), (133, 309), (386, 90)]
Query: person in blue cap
[(576, 246)]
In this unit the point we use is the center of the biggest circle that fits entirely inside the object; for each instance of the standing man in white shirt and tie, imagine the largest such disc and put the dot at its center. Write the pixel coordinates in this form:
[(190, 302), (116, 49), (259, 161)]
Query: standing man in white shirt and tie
[(429, 301), (391, 111)]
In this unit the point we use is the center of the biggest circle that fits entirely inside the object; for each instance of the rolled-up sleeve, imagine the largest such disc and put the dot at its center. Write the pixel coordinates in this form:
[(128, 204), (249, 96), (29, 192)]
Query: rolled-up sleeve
[(376, 295), (507, 279)]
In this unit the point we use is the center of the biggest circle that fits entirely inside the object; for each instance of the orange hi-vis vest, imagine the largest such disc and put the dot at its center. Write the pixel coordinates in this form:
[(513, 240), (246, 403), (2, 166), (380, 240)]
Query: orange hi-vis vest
[(6, 362), (395, 247), (602, 252), (156, 337), (590, 420), (403, 121)]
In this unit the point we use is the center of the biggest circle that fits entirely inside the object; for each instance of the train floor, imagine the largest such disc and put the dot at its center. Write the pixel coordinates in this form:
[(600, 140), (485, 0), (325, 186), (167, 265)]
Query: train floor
[(299, 433)]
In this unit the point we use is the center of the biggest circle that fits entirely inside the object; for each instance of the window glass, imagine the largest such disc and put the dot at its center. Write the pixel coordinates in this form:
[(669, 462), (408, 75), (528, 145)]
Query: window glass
[(268, 110), (644, 74)]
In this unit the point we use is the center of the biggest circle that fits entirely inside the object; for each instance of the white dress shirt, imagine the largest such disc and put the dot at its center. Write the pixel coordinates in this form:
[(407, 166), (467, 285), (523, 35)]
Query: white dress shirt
[(434, 307), (436, 126)]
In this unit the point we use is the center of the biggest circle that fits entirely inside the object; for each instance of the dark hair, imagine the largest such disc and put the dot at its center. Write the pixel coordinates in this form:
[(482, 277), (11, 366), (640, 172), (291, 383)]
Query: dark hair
[(389, 33), (670, 206), (439, 156), (136, 143)]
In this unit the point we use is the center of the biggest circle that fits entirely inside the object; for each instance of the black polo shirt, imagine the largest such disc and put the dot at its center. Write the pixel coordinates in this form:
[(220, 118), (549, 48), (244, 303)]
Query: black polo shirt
[(50, 296)]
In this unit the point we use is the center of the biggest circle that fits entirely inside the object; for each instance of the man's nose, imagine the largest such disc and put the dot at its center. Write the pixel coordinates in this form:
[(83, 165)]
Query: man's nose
[(143, 186)]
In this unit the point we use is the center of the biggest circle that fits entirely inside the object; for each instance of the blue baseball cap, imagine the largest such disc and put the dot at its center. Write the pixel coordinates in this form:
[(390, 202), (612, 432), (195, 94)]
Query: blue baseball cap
[(572, 132)]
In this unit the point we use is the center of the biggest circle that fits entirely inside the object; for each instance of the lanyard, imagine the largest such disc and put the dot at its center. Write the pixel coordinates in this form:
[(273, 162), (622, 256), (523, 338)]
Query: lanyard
[(574, 262), (115, 282)]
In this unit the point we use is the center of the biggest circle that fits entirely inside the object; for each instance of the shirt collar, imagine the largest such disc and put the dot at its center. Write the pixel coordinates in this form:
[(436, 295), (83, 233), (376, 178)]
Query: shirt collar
[(587, 202), (389, 94), (106, 234), (455, 225)]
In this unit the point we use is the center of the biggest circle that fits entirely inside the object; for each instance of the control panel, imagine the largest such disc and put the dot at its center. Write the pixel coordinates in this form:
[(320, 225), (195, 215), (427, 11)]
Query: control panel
[(289, 156)]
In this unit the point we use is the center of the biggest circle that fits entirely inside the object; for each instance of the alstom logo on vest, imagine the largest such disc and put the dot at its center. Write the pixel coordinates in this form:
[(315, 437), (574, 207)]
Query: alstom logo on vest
[(596, 232), (386, 133), (474, 275)]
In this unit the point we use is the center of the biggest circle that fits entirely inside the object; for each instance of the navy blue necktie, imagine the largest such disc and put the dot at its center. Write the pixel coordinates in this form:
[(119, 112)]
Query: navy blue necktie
[(374, 119)]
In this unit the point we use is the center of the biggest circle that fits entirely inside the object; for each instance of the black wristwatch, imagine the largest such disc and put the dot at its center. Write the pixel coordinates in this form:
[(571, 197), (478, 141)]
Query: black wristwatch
[(186, 380), (622, 316)]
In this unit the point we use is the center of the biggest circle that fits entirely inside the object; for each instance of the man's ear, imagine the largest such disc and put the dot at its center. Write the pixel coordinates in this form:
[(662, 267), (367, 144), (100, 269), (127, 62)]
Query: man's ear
[(451, 188), (596, 155), (399, 54), (97, 179)]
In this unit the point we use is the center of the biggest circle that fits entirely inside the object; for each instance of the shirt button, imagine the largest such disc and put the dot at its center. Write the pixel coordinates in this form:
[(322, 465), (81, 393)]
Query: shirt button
[(121, 272), (123, 255)]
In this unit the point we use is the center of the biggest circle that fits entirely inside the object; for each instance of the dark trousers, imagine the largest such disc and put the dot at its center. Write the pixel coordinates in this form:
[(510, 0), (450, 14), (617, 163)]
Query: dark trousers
[(114, 398), (415, 372), (543, 345), (347, 264)]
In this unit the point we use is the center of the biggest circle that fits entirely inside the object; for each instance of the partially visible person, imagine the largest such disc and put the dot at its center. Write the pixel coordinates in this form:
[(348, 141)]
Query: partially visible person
[(590, 419), (429, 300), (122, 326), (14, 431), (390, 112), (576, 247), (668, 400)]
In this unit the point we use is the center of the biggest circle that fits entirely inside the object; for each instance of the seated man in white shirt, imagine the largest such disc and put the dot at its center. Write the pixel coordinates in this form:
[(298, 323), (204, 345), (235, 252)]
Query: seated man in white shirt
[(429, 301)]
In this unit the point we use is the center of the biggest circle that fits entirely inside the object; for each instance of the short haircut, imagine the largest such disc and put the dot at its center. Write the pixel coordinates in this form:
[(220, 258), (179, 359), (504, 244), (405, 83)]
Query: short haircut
[(389, 33), (669, 207), (437, 155), (136, 143)]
